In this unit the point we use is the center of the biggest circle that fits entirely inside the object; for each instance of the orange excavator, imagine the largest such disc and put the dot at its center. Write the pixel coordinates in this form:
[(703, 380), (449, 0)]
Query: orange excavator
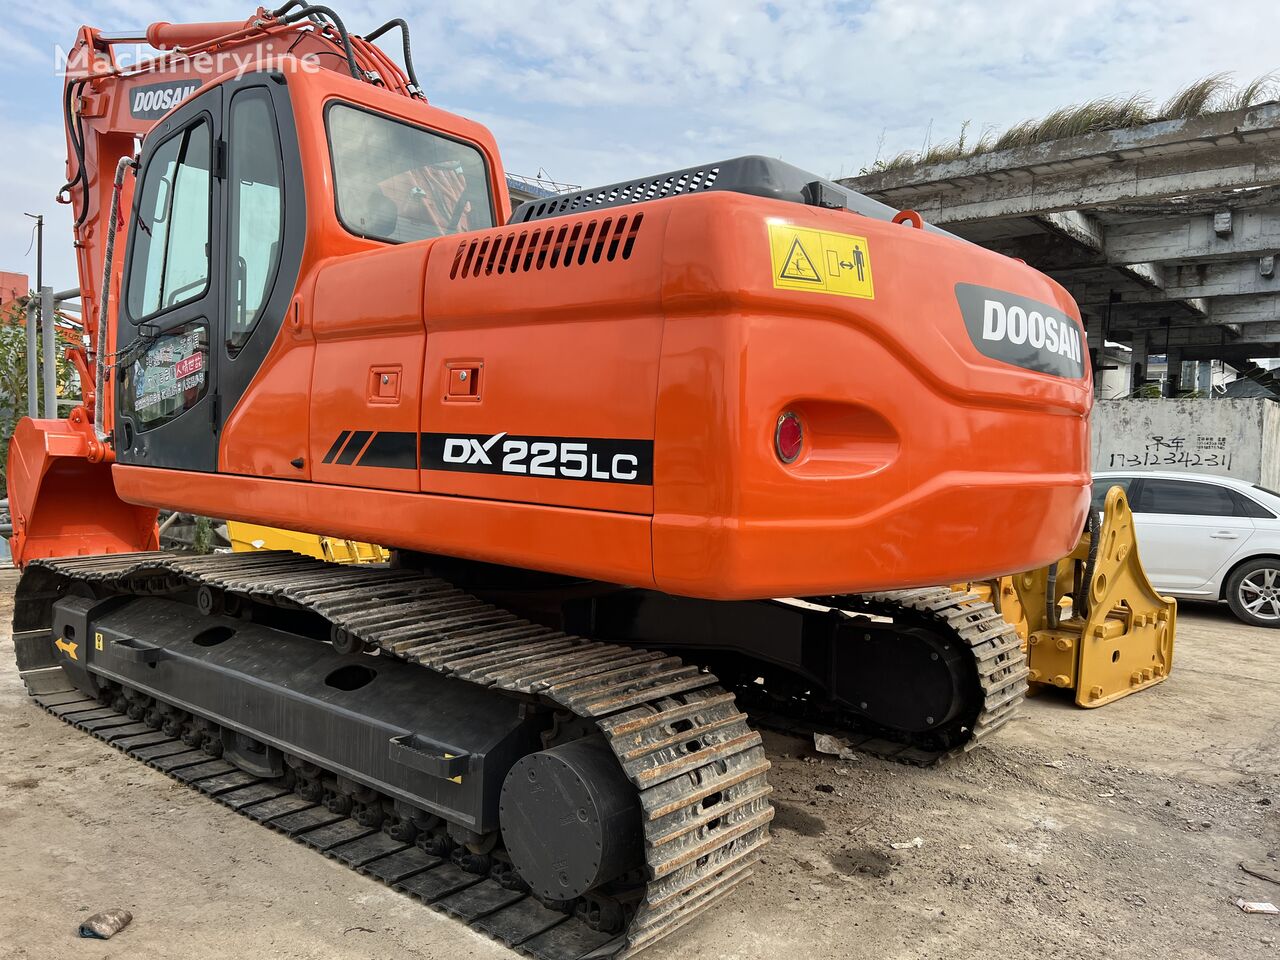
[(599, 434)]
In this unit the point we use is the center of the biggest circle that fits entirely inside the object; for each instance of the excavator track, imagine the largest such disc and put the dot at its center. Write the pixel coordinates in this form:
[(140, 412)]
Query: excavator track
[(698, 769), (999, 666)]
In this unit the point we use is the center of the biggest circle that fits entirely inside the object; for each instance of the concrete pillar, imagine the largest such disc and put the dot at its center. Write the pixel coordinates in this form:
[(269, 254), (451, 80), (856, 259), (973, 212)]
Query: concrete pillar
[(1173, 376), (1141, 345), (48, 350), (1097, 351), (33, 359)]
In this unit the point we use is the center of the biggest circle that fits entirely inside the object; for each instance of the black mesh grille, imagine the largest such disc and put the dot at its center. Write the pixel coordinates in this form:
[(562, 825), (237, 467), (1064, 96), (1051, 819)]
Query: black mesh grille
[(757, 176), (635, 191), (577, 243)]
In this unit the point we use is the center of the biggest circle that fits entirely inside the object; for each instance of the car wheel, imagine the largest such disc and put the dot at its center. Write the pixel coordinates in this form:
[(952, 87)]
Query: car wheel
[(1253, 592)]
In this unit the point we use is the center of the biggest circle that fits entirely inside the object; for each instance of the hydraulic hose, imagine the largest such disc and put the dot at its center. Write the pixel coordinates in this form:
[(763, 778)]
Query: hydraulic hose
[(1051, 597), (1093, 528), (414, 86), (104, 297), (307, 11)]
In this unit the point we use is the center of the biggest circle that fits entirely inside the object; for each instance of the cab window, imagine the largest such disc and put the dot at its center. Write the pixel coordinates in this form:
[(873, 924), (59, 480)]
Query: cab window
[(254, 207), (397, 182), (170, 264)]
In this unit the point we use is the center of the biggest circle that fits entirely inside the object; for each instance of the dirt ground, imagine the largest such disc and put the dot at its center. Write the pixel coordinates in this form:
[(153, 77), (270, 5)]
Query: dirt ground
[(1109, 833)]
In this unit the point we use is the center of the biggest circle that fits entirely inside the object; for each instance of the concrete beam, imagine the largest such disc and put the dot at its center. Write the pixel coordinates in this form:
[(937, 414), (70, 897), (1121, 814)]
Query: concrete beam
[(1199, 343), (1213, 279), (1203, 332), (1082, 228), (1259, 333), (1253, 233), (1050, 251), (1144, 179), (1109, 148), (1086, 232), (1219, 310), (1245, 310)]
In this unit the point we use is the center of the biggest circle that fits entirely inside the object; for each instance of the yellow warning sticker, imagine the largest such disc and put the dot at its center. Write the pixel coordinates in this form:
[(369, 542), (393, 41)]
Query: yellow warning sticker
[(97, 641), (820, 261)]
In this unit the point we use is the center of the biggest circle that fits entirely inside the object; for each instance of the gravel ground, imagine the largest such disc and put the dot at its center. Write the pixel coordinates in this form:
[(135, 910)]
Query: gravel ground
[(1115, 832)]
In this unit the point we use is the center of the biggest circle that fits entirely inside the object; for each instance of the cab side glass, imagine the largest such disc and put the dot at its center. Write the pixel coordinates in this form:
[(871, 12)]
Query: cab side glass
[(398, 182), (169, 376), (255, 203), (170, 263)]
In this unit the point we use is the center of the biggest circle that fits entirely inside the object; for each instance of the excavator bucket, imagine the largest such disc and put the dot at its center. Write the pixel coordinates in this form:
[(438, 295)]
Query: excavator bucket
[(1092, 622), (63, 503)]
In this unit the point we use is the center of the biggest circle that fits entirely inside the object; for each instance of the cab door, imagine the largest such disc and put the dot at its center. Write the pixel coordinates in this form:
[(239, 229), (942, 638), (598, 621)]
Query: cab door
[(169, 314), (216, 242)]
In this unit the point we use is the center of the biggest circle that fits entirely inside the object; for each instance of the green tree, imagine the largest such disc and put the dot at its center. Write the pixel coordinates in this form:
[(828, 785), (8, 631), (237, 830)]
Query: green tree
[(13, 375)]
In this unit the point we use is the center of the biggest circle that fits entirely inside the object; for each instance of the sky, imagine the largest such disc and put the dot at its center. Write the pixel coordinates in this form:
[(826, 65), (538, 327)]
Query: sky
[(594, 92)]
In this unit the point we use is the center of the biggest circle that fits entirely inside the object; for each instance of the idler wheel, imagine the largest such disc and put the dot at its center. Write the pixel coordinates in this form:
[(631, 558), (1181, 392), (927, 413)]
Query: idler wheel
[(570, 819)]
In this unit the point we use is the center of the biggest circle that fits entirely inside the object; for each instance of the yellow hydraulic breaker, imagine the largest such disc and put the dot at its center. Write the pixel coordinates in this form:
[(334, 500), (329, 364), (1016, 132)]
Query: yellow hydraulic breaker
[(1092, 622), (247, 537)]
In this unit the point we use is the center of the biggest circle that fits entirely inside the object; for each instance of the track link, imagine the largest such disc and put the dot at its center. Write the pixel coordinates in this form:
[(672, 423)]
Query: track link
[(1000, 667), (698, 768)]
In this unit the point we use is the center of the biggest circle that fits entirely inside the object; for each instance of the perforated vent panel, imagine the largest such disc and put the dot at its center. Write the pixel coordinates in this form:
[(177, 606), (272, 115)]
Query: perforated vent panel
[(755, 176), (579, 243), (636, 191)]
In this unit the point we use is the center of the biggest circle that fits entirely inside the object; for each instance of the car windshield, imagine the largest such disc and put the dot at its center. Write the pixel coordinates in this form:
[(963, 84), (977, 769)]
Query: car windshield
[(398, 182)]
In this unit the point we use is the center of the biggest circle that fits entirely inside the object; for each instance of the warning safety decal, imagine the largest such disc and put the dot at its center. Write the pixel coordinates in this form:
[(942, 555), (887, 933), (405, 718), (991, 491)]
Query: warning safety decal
[(820, 261)]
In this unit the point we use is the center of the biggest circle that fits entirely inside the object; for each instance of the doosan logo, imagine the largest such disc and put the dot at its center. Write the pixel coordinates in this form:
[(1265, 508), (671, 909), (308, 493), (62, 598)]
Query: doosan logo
[(1024, 332), (1019, 326), (158, 99)]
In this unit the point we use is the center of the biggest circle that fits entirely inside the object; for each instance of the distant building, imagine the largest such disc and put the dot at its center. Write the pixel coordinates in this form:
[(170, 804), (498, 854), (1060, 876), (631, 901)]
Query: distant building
[(13, 286), (524, 189)]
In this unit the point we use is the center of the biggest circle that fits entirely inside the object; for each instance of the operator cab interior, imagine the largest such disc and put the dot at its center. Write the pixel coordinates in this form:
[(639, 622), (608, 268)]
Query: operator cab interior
[(398, 182)]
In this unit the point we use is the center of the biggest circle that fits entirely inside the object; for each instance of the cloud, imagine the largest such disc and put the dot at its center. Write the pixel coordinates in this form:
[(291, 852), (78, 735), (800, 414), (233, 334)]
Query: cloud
[(601, 91), (28, 188)]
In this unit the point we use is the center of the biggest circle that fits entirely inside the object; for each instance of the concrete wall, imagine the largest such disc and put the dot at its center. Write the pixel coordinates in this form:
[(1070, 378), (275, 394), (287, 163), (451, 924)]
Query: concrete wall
[(1233, 438), (1270, 445)]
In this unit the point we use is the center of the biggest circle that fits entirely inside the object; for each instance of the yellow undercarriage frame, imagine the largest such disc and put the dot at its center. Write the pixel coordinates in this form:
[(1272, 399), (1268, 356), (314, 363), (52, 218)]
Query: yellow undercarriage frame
[(1105, 638), (247, 537)]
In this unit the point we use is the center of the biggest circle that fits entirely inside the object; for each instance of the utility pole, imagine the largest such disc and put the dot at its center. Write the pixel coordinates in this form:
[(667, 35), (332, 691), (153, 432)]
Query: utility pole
[(33, 378)]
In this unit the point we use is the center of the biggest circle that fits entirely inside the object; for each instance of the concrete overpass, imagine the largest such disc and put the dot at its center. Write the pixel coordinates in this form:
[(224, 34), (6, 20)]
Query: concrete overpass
[(1166, 234)]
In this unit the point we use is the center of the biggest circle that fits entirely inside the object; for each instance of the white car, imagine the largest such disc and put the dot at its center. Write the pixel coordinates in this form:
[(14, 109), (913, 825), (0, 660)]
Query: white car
[(1205, 537)]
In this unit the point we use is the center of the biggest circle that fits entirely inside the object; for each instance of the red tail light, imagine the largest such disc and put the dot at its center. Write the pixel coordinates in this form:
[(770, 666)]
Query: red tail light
[(788, 437)]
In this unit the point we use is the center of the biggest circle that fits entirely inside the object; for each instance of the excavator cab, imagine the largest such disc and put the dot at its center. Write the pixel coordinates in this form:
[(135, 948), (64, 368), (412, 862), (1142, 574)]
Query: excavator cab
[(224, 208)]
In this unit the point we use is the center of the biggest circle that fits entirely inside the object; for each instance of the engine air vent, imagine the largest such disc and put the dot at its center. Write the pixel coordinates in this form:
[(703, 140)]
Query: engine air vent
[(753, 175), (636, 191), (546, 248)]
